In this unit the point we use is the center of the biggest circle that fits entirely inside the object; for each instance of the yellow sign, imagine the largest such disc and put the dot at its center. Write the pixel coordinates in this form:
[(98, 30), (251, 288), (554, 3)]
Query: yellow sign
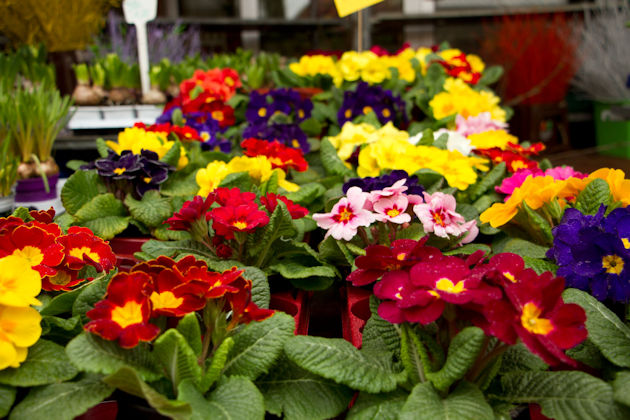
[(346, 7)]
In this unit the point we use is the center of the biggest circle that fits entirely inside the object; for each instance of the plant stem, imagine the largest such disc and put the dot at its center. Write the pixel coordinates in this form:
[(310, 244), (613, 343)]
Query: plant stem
[(484, 361), (363, 235)]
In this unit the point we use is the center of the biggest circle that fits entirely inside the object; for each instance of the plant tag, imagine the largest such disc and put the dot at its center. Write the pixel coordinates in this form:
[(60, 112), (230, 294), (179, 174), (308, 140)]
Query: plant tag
[(137, 11)]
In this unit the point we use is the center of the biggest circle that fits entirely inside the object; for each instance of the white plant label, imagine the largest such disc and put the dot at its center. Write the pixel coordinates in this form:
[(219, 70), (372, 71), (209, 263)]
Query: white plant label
[(138, 13)]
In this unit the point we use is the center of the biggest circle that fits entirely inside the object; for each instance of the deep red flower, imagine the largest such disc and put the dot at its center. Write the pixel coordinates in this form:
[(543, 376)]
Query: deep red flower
[(35, 245), (243, 218), (534, 149), (233, 196), (380, 259), (63, 279), (244, 310), (81, 247), (513, 161), (186, 133), (270, 201), (191, 212), (124, 313), (279, 155), (221, 112), (43, 216), (231, 78), (7, 224)]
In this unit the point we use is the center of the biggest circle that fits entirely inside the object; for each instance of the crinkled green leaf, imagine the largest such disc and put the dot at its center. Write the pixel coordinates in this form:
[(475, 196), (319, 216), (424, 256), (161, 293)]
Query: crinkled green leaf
[(595, 194), (525, 248), (540, 265), (45, 363), (466, 402), (173, 248), (260, 285), (176, 357), (307, 193), (491, 75), (280, 225), (62, 401), (215, 368), (332, 164), (189, 328), (105, 215), (172, 156), (301, 395), (102, 147), (80, 188), (469, 249), (427, 177), (61, 330), (240, 180), (90, 294), (605, 329), (621, 387), (337, 359), (258, 345), (382, 406), (152, 209), (127, 379), (7, 397), (94, 354)]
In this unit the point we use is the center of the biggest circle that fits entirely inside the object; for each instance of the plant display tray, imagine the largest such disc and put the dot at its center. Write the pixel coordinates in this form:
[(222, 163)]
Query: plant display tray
[(119, 116)]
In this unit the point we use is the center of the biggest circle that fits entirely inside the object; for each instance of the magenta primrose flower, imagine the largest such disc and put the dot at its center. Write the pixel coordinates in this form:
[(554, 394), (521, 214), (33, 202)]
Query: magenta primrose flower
[(437, 214), (392, 209), (346, 216)]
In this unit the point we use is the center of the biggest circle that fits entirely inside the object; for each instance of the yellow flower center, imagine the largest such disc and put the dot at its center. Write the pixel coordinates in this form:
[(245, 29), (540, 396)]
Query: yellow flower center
[(239, 225), (129, 314), (229, 81), (295, 143), (518, 164), (437, 218), (613, 264), (348, 113), (626, 243), (147, 179), (345, 215), (398, 295), (84, 250), (262, 112), (205, 135), (32, 255), (60, 279), (165, 300), (531, 321), (301, 113), (367, 109), (217, 115), (393, 212), (119, 171), (188, 135), (509, 276), (446, 285), (401, 256), (386, 113)]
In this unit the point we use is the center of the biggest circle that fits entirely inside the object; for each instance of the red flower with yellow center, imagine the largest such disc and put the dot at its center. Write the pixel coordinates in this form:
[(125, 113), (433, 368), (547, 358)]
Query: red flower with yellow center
[(191, 212), (270, 201), (64, 279), (124, 314), (244, 218), (244, 310), (279, 155), (35, 246), (82, 247), (233, 197)]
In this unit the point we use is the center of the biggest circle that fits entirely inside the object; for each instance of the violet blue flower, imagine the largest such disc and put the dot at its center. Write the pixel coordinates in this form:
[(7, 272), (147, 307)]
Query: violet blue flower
[(370, 184), (365, 99)]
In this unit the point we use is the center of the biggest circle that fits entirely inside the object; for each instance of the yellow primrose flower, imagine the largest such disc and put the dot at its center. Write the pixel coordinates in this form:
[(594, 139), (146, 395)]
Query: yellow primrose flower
[(19, 283), (19, 329), (460, 98), (476, 64), (492, 138), (210, 177), (351, 136), (350, 65), (317, 64), (137, 139), (422, 54)]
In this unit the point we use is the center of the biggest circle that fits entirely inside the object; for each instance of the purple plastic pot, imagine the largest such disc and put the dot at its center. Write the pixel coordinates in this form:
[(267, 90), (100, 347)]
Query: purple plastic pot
[(32, 189)]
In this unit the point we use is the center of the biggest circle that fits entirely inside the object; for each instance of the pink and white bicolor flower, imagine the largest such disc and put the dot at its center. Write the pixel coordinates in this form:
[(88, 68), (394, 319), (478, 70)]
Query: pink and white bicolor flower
[(346, 216), (437, 214), (392, 209)]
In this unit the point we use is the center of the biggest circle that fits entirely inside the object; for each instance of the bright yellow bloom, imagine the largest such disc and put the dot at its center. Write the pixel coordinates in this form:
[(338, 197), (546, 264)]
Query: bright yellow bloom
[(317, 64), (460, 98), (476, 64), (137, 139), (619, 186), (19, 329), (19, 283), (492, 138), (421, 56), (353, 135), (259, 168)]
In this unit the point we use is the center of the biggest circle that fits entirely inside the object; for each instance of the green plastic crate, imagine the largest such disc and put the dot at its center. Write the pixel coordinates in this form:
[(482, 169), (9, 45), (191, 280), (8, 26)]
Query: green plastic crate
[(612, 128)]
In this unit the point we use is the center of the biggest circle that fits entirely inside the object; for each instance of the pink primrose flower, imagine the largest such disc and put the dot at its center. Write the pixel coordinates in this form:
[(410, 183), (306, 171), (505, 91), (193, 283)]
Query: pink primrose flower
[(508, 185), (437, 214), (392, 209), (477, 124), (346, 216)]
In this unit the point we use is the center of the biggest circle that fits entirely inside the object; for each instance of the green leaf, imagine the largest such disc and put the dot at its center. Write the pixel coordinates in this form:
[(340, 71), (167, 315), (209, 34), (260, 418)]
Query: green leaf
[(7, 397), (260, 286), (180, 184), (335, 252), (332, 164), (151, 210), (466, 402), (383, 406), (337, 359), (307, 193), (469, 249), (488, 182), (542, 228), (127, 380), (621, 387), (176, 357), (174, 248), (189, 328), (81, 187), (301, 395), (215, 368), (46, 363), (234, 398), (60, 330), (540, 265), (94, 354), (427, 177), (564, 395), (258, 345), (62, 401), (172, 156), (595, 194), (105, 215), (525, 248), (605, 329), (62, 303), (270, 185), (90, 294), (280, 224), (379, 334), (295, 270), (240, 180), (491, 75), (312, 127), (462, 352), (64, 220), (102, 148)]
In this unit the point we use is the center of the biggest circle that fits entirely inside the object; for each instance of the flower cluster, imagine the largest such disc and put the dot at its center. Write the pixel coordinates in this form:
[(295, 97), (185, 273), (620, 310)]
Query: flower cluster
[(418, 283), (259, 168), (558, 173), (459, 65), (369, 184), (163, 287), (137, 139), (232, 214), (365, 99), (516, 157), (592, 252), (218, 84), (280, 156), (276, 115), (459, 98), (394, 205), (129, 172), (35, 255), (353, 136)]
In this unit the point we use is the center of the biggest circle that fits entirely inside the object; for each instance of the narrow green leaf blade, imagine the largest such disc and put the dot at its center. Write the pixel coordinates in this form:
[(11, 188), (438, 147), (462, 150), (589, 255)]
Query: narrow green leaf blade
[(214, 370), (176, 357)]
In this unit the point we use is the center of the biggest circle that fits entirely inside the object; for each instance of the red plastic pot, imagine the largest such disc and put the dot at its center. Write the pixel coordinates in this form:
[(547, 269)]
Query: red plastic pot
[(124, 248), (355, 313), (294, 304), (105, 410)]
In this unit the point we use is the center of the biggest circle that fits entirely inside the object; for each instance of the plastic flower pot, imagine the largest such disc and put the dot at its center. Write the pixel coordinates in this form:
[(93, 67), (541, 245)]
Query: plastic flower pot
[(612, 128), (105, 410), (294, 304), (33, 189), (124, 248), (355, 313)]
